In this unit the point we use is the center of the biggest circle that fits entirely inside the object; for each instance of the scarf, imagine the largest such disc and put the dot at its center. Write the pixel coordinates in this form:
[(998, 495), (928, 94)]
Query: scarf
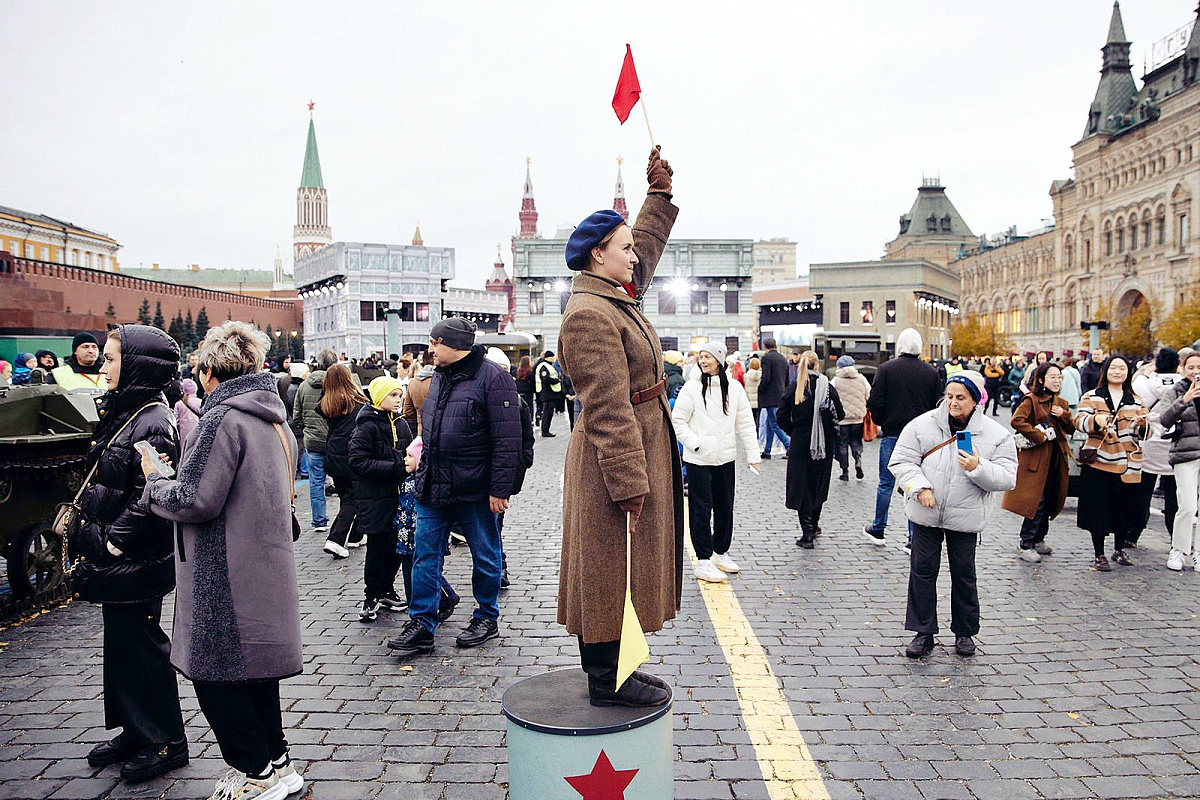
[(816, 442)]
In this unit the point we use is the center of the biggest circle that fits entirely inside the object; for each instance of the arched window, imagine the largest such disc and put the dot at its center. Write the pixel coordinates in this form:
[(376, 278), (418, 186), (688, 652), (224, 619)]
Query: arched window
[(1160, 224), (1133, 231), (1069, 252), (1120, 234), (1108, 239)]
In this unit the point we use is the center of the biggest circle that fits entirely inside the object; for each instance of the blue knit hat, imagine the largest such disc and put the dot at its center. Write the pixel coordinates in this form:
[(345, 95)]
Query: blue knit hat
[(970, 379), (589, 234)]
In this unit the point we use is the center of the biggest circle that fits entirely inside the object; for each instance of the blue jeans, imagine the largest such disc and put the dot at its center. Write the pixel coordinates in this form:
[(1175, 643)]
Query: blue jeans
[(769, 429), (478, 524), (887, 485), (316, 488)]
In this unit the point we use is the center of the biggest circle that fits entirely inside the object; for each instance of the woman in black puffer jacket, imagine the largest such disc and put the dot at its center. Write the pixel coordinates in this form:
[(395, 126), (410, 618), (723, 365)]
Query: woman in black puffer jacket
[(127, 554), (341, 400)]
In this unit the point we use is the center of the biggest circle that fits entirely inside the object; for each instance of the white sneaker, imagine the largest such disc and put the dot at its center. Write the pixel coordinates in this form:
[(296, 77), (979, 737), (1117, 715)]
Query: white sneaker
[(1032, 556), (1196, 561), (705, 571), (335, 549), (723, 562), (1175, 560), (236, 785), (285, 771), (321, 528), (353, 543)]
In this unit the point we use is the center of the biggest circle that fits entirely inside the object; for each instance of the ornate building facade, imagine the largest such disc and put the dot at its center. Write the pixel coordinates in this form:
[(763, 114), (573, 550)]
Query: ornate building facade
[(1123, 231), (312, 229), (42, 238)]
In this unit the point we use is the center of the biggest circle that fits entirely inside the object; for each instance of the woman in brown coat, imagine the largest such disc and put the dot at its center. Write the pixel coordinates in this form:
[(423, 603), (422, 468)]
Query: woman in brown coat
[(1044, 419), (622, 458)]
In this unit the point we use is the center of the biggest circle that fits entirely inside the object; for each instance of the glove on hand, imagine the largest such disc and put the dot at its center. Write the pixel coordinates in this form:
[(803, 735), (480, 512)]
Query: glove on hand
[(658, 174)]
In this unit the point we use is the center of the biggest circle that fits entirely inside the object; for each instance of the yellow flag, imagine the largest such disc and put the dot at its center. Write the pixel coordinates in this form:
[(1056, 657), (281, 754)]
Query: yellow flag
[(634, 651)]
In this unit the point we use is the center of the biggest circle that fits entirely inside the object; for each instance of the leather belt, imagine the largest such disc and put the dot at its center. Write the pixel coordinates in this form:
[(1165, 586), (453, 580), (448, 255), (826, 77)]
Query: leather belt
[(646, 395)]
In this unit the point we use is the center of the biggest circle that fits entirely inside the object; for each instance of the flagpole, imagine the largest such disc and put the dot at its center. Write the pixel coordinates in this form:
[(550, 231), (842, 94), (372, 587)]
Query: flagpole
[(628, 553), (646, 114)]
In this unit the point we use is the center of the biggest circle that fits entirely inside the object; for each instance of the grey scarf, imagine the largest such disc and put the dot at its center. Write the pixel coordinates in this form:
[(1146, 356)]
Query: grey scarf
[(816, 443)]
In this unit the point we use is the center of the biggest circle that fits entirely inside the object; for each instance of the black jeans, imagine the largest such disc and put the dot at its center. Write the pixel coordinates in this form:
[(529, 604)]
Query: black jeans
[(548, 407), (1034, 530), (921, 616), (849, 442), (599, 661), (1146, 496), (140, 693), (710, 500), (381, 565), (343, 523), (246, 720), (993, 390)]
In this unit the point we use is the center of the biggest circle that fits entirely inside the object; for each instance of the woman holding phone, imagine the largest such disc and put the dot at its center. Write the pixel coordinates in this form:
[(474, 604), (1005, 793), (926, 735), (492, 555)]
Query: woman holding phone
[(1110, 469), (949, 462)]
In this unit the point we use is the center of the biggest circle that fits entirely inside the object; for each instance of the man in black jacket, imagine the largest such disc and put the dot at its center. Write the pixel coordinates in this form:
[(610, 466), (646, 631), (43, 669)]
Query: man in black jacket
[(1089, 376), (471, 434), (904, 388), (770, 392)]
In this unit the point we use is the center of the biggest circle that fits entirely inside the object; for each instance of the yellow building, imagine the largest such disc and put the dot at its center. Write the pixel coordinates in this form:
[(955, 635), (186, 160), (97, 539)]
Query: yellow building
[(1122, 231), (42, 238)]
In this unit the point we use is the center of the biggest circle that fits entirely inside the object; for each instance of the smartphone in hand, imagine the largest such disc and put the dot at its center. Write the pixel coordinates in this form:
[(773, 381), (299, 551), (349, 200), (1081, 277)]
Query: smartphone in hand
[(964, 441), (163, 467)]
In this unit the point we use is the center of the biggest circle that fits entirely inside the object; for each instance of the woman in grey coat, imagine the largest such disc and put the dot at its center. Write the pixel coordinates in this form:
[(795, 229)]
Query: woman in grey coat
[(949, 493), (237, 607)]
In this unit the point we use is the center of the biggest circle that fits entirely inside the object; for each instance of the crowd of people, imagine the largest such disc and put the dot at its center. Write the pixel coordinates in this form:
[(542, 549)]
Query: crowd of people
[(191, 479)]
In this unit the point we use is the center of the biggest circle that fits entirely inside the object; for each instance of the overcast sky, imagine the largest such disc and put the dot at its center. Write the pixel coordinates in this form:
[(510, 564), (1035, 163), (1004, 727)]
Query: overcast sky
[(182, 133)]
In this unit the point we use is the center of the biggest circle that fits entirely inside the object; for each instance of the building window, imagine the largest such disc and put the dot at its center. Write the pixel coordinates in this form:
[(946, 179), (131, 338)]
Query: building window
[(422, 312), (1014, 320), (844, 313), (1032, 317), (1162, 229), (536, 304), (1071, 319), (1000, 323), (563, 298), (668, 342), (867, 312), (1070, 253), (366, 311), (890, 312), (1121, 240), (732, 344), (1048, 320), (1108, 243), (1146, 233), (666, 301), (1087, 252), (1133, 235), (1183, 231), (700, 302), (731, 301)]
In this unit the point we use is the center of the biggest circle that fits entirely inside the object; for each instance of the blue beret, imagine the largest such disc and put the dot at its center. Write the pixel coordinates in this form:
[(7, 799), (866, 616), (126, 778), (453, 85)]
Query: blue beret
[(588, 235)]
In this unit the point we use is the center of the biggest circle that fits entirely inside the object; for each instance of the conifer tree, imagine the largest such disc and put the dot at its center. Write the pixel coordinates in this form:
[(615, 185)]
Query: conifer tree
[(201, 324), (159, 322), (144, 313)]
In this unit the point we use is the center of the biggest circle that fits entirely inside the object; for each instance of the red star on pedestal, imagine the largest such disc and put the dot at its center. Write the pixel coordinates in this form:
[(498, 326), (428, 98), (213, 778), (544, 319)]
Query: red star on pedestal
[(603, 782)]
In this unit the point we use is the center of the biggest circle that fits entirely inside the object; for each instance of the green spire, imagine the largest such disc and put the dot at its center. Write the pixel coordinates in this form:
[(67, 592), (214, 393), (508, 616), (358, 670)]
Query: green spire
[(311, 178)]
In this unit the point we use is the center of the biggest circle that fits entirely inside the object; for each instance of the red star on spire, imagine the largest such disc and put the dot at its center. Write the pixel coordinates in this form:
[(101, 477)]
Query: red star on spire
[(310, 105), (603, 782)]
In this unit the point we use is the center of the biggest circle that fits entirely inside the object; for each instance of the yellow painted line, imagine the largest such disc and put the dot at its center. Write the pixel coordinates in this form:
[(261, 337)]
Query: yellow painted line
[(787, 765)]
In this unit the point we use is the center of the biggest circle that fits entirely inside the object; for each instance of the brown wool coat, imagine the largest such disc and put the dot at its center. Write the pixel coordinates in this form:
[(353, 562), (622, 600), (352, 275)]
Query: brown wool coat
[(619, 451), (1033, 465)]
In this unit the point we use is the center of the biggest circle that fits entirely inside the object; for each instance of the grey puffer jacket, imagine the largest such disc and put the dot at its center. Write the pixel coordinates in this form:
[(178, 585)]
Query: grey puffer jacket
[(963, 500), (237, 605), (1182, 414)]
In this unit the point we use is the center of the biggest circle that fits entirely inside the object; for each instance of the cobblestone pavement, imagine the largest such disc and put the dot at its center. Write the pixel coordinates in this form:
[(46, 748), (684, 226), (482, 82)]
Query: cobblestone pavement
[(1085, 685)]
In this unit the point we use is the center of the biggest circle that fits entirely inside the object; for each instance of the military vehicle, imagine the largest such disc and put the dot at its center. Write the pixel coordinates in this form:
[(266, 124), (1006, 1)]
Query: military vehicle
[(45, 433)]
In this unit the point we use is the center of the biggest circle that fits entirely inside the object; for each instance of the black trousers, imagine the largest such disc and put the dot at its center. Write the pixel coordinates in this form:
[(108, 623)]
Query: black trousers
[(140, 693), (548, 407), (1146, 496), (921, 616), (710, 508), (381, 565), (246, 720), (1034, 529), (343, 523), (571, 413), (849, 442), (599, 661), (993, 402), (754, 411)]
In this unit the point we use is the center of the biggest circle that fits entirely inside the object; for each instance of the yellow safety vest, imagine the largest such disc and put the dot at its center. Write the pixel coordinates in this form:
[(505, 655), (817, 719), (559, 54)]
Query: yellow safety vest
[(71, 380)]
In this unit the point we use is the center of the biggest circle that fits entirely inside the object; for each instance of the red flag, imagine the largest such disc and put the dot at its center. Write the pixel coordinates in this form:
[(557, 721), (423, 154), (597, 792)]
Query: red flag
[(628, 89)]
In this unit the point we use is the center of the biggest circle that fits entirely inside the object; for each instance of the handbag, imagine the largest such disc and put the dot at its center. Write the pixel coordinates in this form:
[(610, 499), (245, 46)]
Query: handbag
[(69, 516), (870, 429), (289, 470)]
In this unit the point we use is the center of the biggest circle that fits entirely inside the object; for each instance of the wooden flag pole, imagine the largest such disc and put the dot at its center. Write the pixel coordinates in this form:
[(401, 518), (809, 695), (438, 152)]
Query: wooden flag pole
[(646, 114), (628, 553)]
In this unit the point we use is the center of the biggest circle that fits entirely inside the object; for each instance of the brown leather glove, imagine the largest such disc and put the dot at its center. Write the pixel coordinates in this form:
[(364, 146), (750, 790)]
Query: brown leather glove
[(633, 505), (658, 174)]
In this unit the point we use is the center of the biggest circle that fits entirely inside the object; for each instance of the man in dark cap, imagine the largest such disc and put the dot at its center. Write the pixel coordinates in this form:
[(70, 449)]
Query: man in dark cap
[(471, 443), (547, 383), (81, 371)]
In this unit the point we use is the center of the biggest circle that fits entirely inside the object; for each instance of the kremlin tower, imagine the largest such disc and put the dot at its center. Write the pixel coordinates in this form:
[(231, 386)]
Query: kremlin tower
[(500, 282), (619, 195), (528, 215), (312, 230)]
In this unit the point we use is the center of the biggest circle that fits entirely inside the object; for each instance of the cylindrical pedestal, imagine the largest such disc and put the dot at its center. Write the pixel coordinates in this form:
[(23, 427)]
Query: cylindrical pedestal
[(561, 747)]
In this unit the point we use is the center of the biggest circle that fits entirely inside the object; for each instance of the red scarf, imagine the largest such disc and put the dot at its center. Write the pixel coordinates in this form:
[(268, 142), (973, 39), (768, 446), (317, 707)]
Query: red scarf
[(629, 290)]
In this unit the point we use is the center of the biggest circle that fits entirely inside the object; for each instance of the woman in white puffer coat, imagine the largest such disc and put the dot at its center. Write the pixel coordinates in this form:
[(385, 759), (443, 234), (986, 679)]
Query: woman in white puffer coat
[(949, 493), (711, 413)]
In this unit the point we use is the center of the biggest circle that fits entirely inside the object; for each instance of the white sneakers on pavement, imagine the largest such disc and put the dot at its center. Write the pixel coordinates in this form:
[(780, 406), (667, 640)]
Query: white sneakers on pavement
[(236, 785), (285, 771), (1175, 560), (723, 562), (335, 549), (1031, 556), (705, 571)]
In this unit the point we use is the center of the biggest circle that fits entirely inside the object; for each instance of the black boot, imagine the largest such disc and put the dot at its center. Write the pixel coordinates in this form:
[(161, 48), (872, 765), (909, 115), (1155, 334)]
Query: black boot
[(155, 760), (920, 646), (413, 640), (633, 694), (114, 751), (964, 646)]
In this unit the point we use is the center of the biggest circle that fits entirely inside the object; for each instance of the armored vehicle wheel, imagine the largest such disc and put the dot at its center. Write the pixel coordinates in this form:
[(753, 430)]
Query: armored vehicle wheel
[(35, 561)]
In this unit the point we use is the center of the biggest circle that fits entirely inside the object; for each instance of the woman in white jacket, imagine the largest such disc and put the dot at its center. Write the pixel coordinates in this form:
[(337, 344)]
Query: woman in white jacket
[(949, 493), (711, 413)]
